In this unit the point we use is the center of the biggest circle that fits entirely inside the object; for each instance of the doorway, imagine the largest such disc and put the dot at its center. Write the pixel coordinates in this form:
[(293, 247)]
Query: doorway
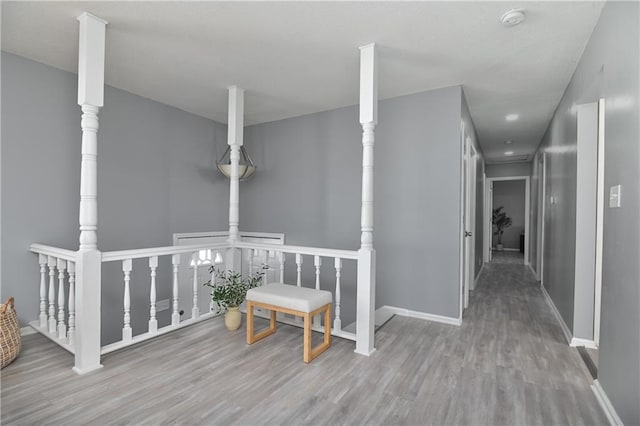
[(509, 197)]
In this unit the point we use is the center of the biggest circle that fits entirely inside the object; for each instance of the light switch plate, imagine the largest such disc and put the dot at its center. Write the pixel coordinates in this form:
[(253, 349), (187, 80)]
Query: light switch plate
[(615, 196)]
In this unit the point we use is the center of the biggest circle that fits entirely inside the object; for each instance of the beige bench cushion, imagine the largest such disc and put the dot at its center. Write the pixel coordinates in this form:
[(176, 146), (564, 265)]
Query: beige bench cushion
[(290, 296)]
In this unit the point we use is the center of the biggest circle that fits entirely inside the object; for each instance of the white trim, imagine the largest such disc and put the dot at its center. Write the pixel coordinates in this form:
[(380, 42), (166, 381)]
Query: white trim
[(533, 271), (527, 212), (461, 224), (606, 404), (419, 315), (576, 341), (599, 223), (505, 249), (567, 333), (25, 331), (486, 221)]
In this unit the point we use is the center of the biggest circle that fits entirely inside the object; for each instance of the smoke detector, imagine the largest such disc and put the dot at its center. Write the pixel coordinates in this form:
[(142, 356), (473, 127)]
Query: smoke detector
[(512, 17)]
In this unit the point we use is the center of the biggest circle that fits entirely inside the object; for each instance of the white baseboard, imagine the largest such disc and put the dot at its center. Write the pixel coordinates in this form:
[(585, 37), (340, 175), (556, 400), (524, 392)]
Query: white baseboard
[(505, 249), (567, 333), (420, 315), (606, 404), (25, 331), (576, 341), (533, 271)]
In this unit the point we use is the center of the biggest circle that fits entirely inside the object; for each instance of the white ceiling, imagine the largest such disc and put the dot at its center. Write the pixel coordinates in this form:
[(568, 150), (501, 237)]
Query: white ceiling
[(296, 58)]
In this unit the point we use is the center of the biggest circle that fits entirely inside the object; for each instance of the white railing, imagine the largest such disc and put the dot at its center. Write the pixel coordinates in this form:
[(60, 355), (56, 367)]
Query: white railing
[(59, 318), (275, 258), (196, 256), (57, 294)]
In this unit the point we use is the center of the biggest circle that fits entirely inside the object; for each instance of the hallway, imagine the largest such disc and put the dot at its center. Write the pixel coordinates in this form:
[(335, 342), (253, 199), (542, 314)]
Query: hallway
[(506, 365), (517, 342)]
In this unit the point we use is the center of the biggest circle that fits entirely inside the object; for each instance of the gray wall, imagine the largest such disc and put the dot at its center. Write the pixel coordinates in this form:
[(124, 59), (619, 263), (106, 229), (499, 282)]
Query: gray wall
[(309, 181), (156, 176), (510, 169), (612, 56), (510, 194)]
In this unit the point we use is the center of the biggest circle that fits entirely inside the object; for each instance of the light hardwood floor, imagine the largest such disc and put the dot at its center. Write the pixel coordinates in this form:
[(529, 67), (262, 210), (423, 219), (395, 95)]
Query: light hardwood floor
[(507, 364)]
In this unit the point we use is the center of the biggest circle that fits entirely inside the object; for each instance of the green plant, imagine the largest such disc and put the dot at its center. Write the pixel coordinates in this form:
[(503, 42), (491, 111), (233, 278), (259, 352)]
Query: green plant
[(229, 288), (501, 221)]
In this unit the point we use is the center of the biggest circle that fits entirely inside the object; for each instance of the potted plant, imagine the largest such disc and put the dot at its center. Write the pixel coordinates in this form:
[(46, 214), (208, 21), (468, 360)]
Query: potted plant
[(501, 222), (229, 290)]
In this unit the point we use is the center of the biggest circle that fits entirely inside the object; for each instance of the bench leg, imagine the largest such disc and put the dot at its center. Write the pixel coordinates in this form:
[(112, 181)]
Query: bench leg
[(251, 337), (310, 354)]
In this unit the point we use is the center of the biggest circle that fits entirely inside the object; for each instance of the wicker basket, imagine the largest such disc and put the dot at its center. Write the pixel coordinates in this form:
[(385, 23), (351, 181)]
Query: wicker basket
[(10, 342)]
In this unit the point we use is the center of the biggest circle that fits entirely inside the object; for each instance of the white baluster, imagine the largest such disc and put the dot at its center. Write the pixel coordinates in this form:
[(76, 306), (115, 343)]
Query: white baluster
[(62, 327), (270, 255), (317, 262), (51, 262), (42, 260), (281, 258), (298, 320), (213, 282), (71, 269), (195, 311), (127, 334), (251, 255), (337, 323), (175, 316), (299, 269), (153, 322)]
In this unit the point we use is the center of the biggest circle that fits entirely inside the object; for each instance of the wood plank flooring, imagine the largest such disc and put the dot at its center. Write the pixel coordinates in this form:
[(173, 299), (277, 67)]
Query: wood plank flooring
[(506, 365)]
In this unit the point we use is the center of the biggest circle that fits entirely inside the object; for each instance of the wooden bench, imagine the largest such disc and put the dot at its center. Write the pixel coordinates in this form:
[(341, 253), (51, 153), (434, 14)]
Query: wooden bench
[(289, 299)]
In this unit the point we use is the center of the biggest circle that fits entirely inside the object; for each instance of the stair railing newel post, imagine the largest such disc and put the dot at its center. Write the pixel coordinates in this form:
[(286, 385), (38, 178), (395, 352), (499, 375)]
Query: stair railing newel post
[(88, 258), (365, 308), (235, 131)]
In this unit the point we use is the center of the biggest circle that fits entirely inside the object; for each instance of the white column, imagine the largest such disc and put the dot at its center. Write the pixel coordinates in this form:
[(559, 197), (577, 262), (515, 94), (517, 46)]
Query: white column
[(368, 120), (365, 307), (235, 132), (89, 261)]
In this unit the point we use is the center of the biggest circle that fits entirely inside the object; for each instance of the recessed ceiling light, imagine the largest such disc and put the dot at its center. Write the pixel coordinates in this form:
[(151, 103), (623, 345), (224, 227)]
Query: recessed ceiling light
[(512, 17), (508, 153), (512, 117), (508, 142)]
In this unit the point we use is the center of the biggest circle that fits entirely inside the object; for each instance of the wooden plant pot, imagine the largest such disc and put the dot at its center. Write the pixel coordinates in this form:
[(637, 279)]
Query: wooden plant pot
[(233, 318)]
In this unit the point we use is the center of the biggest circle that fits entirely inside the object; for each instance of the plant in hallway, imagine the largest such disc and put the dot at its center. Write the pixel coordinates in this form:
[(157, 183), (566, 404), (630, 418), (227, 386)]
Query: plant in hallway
[(229, 290), (501, 222)]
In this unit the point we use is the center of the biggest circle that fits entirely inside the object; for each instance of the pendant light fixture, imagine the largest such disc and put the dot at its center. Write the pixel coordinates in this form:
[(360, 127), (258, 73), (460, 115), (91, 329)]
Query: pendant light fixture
[(246, 168)]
